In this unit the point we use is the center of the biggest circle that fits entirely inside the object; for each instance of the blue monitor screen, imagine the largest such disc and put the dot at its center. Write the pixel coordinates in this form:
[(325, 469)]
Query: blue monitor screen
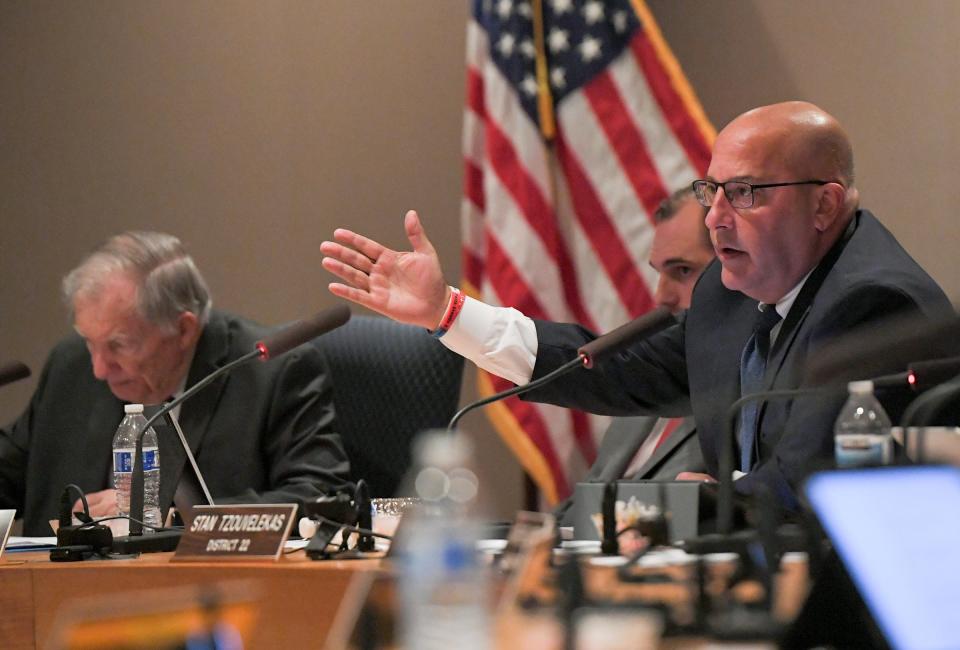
[(897, 532)]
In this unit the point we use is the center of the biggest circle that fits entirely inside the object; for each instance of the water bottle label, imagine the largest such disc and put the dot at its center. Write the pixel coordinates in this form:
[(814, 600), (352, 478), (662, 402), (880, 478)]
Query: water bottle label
[(123, 460), (862, 450), (150, 457)]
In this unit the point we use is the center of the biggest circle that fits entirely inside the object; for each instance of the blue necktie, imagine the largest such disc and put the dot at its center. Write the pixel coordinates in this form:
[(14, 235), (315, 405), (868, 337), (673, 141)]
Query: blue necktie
[(753, 366)]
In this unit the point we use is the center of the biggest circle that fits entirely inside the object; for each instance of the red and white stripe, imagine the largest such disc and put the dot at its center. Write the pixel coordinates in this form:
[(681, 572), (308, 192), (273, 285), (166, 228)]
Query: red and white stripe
[(564, 232)]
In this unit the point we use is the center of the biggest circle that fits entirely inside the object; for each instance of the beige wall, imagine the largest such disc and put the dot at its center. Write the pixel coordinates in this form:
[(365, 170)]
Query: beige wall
[(252, 129)]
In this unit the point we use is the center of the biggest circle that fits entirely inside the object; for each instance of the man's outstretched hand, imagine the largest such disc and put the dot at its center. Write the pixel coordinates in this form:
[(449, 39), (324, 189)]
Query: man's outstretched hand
[(406, 286)]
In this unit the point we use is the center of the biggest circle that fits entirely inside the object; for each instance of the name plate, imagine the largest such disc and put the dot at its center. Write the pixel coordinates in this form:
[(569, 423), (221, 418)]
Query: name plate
[(236, 532)]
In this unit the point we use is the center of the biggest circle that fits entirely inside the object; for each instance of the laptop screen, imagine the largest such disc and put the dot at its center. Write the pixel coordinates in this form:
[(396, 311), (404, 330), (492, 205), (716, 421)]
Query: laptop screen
[(897, 532), (6, 523)]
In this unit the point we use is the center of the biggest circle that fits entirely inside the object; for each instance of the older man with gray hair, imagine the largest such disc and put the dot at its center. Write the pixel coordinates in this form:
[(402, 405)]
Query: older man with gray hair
[(145, 332)]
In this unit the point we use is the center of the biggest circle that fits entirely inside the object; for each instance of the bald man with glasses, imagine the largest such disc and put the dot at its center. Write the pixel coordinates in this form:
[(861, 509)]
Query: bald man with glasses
[(798, 265)]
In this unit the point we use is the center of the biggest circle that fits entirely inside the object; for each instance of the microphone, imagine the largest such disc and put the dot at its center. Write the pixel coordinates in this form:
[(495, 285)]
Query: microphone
[(13, 371), (927, 374), (587, 355), (302, 331), (725, 464), (922, 411), (919, 376), (626, 335), (270, 347), (724, 539), (874, 349)]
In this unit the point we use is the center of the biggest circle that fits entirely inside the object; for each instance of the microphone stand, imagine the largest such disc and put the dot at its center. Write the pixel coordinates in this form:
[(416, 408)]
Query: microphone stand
[(728, 448), (573, 364), (729, 442), (588, 355), (274, 345), (136, 481)]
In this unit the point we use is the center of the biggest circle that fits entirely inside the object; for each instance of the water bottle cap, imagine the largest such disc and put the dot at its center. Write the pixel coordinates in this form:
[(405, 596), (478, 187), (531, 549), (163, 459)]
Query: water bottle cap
[(860, 387), (133, 408)]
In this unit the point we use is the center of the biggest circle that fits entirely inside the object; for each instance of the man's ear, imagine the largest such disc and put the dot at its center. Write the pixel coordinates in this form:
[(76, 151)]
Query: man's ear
[(188, 329), (830, 206)]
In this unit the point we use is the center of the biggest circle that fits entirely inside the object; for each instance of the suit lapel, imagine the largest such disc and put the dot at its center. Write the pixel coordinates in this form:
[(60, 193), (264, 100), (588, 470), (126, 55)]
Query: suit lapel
[(782, 345), (798, 313), (683, 431), (195, 414), (102, 421), (629, 436)]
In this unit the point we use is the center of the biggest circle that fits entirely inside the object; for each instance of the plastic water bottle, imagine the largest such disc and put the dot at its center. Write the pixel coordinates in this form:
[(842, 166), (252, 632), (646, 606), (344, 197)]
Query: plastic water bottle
[(443, 581), (124, 445), (862, 430)]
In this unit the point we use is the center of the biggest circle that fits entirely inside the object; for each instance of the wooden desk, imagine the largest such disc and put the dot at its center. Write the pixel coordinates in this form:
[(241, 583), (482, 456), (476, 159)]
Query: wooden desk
[(296, 598)]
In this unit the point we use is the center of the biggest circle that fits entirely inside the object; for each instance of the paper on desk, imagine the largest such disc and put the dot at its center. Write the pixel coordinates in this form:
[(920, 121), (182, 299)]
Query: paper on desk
[(30, 543)]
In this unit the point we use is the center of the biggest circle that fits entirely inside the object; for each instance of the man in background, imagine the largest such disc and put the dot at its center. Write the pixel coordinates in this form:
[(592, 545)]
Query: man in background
[(648, 447), (146, 331)]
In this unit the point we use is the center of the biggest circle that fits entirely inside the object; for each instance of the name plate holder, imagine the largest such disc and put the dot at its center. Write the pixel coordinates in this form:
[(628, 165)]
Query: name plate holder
[(235, 532)]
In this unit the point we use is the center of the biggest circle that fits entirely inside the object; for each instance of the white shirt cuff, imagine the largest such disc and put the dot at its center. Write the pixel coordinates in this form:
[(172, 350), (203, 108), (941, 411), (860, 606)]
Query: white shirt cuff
[(500, 340)]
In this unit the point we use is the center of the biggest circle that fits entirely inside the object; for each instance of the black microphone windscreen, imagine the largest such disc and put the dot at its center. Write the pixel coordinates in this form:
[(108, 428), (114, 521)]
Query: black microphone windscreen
[(927, 374), (888, 346), (636, 330), (302, 331), (13, 371)]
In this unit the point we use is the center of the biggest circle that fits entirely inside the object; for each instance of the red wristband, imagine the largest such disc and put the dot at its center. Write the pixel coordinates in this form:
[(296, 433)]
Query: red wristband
[(453, 310)]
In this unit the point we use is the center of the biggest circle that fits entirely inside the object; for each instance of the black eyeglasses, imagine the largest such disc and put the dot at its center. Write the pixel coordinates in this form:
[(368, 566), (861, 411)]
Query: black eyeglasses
[(738, 193)]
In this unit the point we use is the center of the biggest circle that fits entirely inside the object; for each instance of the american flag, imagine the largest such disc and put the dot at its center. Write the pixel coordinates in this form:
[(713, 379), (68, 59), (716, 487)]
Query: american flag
[(578, 122)]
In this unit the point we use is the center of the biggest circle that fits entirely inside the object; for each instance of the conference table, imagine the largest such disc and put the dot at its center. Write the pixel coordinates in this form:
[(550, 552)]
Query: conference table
[(295, 599)]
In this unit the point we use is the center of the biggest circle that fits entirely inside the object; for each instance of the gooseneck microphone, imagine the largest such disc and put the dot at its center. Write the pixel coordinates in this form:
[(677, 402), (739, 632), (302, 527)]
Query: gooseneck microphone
[(725, 462), (270, 347), (12, 371), (927, 374), (626, 335), (588, 355)]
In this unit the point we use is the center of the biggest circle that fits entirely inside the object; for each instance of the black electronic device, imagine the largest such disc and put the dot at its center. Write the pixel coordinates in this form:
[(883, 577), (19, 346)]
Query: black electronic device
[(75, 553), (331, 513), (892, 580)]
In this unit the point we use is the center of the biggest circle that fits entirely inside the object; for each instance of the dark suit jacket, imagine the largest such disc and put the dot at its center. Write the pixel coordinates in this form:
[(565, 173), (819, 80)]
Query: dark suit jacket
[(263, 433), (694, 365), (680, 452)]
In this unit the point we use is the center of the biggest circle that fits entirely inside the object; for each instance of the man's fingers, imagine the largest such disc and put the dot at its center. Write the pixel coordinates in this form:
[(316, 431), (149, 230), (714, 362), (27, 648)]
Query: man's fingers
[(354, 295), (367, 246), (347, 256), (416, 234), (347, 273), (102, 503), (695, 476)]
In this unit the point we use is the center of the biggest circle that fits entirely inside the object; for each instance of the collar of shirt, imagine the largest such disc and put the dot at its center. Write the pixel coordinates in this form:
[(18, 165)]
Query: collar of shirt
[(784, 304), (177, 393)]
